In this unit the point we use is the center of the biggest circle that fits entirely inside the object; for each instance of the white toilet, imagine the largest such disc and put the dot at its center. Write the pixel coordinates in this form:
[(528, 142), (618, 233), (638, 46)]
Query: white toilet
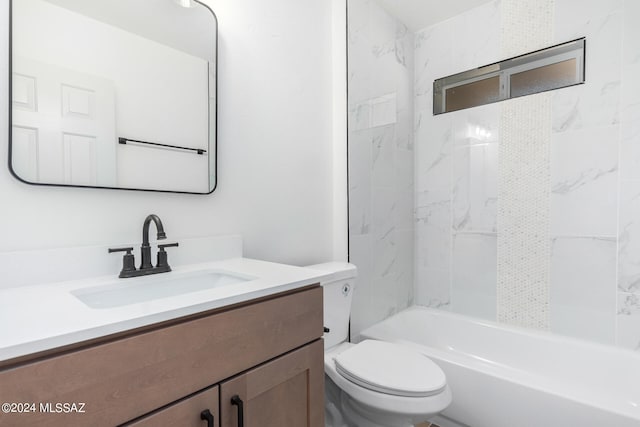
[(372, 383)]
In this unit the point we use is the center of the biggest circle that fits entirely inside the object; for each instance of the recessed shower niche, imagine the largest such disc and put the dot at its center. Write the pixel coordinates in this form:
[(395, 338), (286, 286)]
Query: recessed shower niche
[(547, 69), (114, 94)]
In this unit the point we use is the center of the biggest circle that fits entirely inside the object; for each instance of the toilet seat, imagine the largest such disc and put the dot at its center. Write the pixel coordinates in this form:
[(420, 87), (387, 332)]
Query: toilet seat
[(390, 403), (391, 369)]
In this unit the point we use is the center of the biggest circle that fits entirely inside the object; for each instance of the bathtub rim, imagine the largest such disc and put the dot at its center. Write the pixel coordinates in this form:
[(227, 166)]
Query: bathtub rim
[(560, 388)]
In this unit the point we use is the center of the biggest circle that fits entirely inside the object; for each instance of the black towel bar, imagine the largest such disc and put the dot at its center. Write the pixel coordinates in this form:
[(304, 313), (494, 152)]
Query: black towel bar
[(124, 141)]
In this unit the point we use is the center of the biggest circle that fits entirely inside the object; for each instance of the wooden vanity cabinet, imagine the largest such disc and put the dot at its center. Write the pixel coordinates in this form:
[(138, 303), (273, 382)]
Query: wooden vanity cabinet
[(199, 410), (283, 392), (268, 353)]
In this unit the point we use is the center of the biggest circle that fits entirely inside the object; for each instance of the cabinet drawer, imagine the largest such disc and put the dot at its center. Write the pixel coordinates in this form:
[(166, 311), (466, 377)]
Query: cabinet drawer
[(186, 413), (127, 378)]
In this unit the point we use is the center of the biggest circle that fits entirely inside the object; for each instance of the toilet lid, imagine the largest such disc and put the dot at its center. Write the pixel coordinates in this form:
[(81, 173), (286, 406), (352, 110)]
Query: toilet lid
[(391, 369)]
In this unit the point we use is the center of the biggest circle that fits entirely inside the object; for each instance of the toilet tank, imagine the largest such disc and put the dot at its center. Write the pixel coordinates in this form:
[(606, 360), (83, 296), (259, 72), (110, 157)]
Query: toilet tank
[(338, 289)]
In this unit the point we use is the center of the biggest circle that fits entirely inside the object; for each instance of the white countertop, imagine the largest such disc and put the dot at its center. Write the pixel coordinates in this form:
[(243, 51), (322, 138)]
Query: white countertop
[(42, 317)]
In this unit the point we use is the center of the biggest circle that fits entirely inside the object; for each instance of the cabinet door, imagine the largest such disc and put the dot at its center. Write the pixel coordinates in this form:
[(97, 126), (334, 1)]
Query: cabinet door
[(285, 392), (199, 410)]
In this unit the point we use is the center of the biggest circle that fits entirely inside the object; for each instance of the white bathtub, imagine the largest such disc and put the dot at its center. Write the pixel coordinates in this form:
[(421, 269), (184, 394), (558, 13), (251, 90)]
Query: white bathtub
[(504, 376)]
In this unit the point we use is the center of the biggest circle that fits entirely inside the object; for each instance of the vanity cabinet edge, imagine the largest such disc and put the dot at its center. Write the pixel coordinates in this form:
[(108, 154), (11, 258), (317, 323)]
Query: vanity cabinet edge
[(192, 411), (126, 378)]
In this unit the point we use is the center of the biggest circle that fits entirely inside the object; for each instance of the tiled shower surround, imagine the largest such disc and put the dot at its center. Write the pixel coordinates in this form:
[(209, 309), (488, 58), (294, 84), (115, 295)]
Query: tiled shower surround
[(592, 225), (381, 190)]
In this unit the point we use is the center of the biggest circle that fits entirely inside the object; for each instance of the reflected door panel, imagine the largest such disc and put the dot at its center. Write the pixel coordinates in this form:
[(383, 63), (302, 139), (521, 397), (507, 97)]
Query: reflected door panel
[(79, 159), (25, 153), (63, 126)]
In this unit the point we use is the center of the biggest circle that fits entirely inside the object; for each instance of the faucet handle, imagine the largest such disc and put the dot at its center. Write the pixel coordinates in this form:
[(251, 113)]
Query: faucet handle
[(127, 250), (128, 261), (168, 245), (162, 256)]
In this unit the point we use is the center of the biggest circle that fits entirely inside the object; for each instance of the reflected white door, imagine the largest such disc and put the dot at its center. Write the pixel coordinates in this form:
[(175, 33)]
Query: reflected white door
[(63, 128)]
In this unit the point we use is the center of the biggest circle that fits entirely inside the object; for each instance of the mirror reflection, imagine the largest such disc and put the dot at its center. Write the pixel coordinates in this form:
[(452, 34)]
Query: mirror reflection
[(114, 93)]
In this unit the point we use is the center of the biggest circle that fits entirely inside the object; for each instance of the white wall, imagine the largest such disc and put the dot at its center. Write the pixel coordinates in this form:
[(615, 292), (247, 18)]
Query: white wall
[(340, 190), (275, 151)]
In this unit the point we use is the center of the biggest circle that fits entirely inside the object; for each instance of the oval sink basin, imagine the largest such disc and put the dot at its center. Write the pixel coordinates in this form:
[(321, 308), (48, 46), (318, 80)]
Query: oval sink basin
[(123, 292)]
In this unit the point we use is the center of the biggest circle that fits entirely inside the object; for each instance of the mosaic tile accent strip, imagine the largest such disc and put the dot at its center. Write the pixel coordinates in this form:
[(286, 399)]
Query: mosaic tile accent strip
[(526, 26), (524, 244)]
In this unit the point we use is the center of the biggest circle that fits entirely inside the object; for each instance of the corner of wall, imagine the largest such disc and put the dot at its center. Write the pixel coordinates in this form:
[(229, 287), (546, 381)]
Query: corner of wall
[(339, 131)]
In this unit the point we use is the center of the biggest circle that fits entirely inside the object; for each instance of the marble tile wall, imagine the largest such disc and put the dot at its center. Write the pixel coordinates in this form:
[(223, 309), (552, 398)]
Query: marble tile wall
[(381, 162), (456, 170), (423, 189), (594, 206), (585, 176), (628, 308)]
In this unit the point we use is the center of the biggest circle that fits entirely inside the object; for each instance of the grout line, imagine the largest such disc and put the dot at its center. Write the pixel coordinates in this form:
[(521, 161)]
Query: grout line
[(616, 306), (583, 236)]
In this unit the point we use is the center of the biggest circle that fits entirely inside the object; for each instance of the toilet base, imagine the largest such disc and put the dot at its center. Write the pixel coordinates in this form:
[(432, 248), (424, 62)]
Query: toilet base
[(343, 411)]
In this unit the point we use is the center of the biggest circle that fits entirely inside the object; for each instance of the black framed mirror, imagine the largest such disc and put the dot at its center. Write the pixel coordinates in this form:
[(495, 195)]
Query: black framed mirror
[(117, 94)]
